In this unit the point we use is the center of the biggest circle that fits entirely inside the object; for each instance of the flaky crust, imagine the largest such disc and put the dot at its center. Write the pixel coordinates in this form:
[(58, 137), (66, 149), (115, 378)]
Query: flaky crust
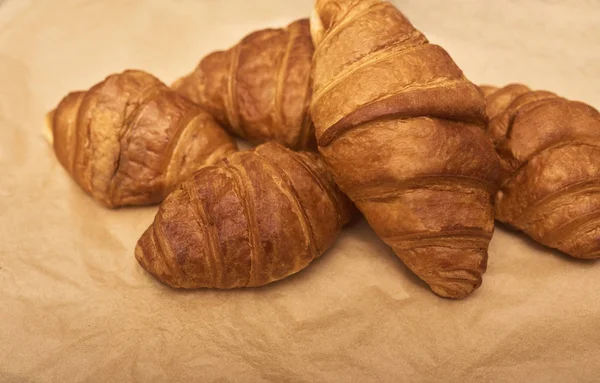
[(129, 140), (400, 128), (549, 149), (256, 217), (260, 88)]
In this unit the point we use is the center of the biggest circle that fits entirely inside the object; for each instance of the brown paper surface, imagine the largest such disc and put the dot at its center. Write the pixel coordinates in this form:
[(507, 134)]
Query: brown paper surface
[(75, 306)]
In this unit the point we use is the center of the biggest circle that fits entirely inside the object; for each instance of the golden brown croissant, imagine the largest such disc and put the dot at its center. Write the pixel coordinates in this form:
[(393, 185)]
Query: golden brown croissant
[(256, 217), (260, 88), (549, 150), (401, 130), (129, 140)]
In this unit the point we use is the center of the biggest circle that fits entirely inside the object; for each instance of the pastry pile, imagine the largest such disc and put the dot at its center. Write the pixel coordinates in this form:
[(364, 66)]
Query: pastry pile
[(352, 110)]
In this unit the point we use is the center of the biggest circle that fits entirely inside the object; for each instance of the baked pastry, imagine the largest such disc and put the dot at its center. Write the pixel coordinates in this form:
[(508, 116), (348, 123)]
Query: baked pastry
[(129, 140), (549, 149), (402, 131), (255, 217), (260, 88)]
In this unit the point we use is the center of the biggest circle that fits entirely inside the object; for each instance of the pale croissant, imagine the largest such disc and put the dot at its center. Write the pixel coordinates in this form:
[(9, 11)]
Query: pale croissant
[(402, 131), (129, 140), (256, 217), (549, 149), (260, 88)]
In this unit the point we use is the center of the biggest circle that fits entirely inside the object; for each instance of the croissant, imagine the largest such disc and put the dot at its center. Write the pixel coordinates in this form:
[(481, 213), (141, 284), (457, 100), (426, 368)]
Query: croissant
[(129, 140), (260, 88), (255, 217), (549, 149), (402, 131)]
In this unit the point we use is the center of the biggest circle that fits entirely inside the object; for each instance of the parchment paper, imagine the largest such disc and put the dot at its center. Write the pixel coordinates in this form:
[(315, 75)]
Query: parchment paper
[(75, 306)]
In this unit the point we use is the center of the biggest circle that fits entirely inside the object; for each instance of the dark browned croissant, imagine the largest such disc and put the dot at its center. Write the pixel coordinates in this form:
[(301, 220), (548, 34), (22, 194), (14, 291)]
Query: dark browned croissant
[(260, 88), (254, 218), (549, 150), (402, 131), (130, 140)]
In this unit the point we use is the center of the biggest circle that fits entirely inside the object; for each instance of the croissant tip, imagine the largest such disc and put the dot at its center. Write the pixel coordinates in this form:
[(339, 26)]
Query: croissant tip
[(145, 259), (148, 257), (48, 131), (177, 83), (590, 256), (316, 27), (457, 284), (487, 90), (455, 289), (139, 253)]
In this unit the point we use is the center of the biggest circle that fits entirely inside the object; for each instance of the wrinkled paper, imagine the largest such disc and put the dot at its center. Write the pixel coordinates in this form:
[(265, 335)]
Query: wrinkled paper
[(75, 306)]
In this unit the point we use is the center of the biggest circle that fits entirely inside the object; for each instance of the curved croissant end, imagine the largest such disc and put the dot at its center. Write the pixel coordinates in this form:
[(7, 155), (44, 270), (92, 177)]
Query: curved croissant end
[(256, 217), (329, 14), (129, 140), (549, 149), (401, 130), (452, 264), (48, 133), (316, 28), (259, 89)]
